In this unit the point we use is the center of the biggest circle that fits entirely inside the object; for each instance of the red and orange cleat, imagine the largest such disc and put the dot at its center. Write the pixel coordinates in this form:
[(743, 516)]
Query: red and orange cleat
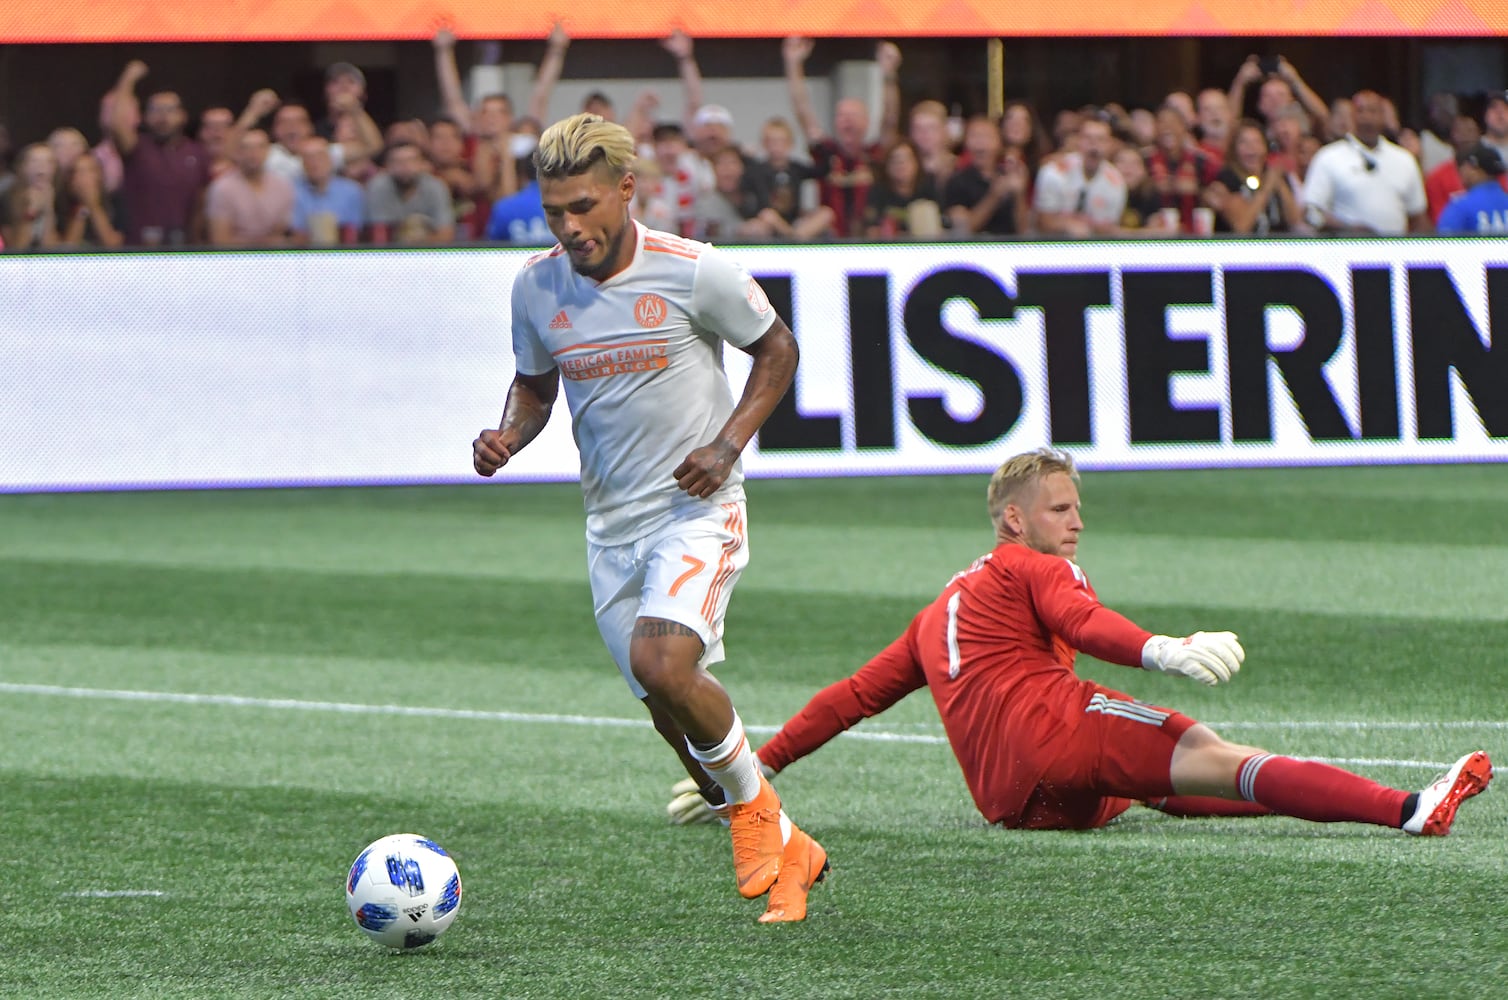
[(1438, 803)]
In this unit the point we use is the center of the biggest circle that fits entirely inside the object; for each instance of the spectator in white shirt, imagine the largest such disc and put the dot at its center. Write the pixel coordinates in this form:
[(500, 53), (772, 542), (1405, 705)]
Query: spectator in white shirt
[(292, 126), (1435, 142), (1081, 194), (1363, 183)]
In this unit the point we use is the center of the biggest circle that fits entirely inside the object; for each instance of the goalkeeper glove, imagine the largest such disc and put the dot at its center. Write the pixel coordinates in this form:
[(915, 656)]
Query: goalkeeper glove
[(1207, 657), (688, 808)]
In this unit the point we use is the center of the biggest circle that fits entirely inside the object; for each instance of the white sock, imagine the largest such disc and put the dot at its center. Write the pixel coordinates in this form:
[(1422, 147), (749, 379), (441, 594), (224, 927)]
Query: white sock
[(731, 763)]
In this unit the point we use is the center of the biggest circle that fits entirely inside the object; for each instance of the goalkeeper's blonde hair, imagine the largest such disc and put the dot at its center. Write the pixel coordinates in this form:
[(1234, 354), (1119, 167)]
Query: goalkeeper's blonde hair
[(1022, 472), (576, 144)]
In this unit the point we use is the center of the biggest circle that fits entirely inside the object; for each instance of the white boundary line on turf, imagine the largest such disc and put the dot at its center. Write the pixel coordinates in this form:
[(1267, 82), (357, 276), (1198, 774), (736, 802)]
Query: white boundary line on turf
[(1355, 724), (871, 735)]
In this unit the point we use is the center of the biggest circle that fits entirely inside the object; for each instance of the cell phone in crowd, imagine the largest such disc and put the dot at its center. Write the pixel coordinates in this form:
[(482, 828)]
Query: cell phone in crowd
[(1268, 64)]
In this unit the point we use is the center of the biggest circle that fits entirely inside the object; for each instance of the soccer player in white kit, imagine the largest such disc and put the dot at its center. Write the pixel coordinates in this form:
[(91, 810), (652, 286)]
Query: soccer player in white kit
[(635, 320)]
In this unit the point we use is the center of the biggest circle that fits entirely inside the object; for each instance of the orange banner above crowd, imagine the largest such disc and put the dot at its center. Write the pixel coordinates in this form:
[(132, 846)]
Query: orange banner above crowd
[(23, 21)]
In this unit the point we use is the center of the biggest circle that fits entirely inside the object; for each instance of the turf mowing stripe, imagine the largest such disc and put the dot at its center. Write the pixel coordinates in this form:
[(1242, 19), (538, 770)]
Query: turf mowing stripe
[(869, 734)]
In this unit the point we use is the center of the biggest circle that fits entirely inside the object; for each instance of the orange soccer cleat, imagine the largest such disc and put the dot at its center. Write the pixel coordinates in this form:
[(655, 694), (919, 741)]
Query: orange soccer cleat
[(803, 865), (1438, 803), (757, 843)]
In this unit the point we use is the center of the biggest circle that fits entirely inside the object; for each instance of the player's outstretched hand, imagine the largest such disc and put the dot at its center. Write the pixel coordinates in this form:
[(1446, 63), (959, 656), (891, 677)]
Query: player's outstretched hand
[(1207, 657), (706, 469), (490, 452)]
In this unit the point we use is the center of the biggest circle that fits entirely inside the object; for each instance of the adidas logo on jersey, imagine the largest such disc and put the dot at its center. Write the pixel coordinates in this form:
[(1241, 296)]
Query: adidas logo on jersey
[(561, 321)]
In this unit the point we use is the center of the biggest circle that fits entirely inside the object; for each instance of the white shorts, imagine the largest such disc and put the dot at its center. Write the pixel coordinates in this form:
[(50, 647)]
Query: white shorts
[(683, 573)]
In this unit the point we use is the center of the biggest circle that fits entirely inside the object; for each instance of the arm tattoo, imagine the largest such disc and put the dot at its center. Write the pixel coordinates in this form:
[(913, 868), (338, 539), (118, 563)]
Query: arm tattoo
[(659, 628)]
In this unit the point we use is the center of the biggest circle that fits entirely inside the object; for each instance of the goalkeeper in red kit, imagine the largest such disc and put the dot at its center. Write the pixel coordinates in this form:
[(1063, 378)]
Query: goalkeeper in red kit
[(1043, 749)]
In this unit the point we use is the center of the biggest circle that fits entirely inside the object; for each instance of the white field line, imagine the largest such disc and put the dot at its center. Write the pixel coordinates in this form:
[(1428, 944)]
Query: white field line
[(114, 894), (868, 733)]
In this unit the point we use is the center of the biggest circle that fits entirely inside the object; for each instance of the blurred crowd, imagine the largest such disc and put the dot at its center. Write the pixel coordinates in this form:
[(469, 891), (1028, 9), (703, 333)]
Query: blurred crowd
[(1266, 155)]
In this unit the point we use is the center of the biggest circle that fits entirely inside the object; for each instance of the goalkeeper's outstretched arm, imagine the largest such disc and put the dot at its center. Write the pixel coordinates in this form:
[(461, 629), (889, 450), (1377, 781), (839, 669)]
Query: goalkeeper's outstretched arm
[(1207, 657), (877, 685), (1067, 607)]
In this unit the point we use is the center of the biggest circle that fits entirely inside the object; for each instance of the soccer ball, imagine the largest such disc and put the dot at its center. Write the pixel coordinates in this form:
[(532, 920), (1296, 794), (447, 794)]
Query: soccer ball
[(403, 891)]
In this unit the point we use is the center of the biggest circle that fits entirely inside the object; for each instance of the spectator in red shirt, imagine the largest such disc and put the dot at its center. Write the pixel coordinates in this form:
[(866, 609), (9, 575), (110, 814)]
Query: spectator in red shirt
[(1041, 748), (166, 172), (1286, 134), (489, 150), (846, 162), (1179, 169), (1444, 182), (1214, 122)]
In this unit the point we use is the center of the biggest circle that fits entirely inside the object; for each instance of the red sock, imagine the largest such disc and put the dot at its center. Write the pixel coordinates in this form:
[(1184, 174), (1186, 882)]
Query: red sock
[(1207, 805), (1310, 790)]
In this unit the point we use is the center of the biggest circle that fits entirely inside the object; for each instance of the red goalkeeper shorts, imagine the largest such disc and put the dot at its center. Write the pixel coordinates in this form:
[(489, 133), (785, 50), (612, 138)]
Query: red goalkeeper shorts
[(1122, 752)]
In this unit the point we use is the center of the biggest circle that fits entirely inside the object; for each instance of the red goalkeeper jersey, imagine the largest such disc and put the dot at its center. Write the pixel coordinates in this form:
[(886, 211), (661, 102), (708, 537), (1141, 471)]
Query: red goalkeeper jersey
[(996, 649)]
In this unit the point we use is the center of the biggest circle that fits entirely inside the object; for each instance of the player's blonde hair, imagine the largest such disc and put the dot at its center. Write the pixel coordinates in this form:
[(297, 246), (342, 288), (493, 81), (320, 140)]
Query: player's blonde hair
[(576, 144), (1019, 472)]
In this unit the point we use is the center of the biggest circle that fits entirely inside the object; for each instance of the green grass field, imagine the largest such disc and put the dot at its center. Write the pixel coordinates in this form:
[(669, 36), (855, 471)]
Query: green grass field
[(376, 661)]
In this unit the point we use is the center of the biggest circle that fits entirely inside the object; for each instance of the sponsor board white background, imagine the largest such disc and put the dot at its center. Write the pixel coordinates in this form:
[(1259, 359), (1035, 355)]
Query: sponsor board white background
[(209, 369)]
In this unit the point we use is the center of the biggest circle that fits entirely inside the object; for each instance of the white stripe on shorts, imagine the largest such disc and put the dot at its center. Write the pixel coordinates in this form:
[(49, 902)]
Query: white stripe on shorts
[(1135, 711)]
